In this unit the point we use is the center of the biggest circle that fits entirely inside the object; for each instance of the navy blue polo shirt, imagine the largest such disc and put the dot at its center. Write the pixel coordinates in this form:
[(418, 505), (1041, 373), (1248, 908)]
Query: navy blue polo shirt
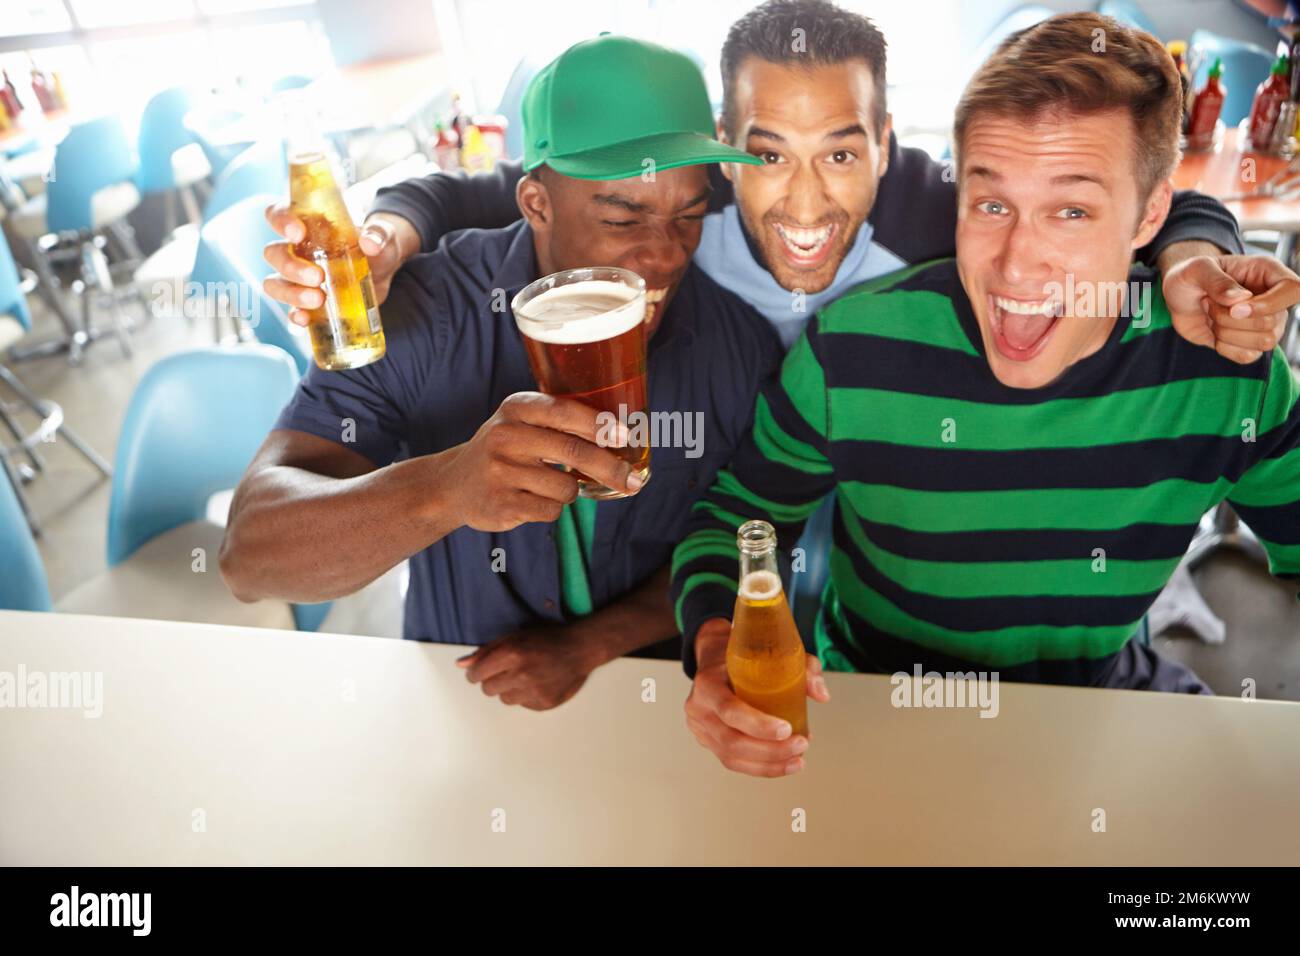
[(454, 354)]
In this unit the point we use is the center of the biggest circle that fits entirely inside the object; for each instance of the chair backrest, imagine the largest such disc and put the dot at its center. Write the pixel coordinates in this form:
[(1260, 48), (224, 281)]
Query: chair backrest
[(204, 122), (23, 585), (93, 155), (235, 238), (259, 170), (1129, 14), (1245, 66), (193, 425), (162, 133), (12, 300)]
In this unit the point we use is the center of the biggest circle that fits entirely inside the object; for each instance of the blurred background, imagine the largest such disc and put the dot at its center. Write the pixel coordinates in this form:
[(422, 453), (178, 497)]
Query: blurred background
[(140, 140)]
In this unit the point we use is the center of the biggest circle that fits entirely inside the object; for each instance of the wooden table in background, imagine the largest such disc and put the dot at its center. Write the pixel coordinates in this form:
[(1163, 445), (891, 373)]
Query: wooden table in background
[(222, 745), (1220, 173)]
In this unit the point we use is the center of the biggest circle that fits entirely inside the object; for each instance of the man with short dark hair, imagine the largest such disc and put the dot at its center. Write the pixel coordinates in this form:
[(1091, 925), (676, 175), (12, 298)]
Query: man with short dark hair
[(451, 460), (1018, 458)]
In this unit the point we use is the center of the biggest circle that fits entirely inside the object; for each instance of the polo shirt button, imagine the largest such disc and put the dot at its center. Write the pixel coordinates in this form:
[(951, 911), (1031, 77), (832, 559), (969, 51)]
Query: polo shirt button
[(690, 483), (548, 604)]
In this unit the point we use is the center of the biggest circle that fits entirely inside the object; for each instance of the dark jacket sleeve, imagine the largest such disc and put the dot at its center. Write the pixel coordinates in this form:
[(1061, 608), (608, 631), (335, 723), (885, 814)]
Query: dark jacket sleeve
[(445, 202)]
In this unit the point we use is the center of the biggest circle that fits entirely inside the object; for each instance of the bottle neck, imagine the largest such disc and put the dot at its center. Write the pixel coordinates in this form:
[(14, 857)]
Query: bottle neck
[(764, 560), (303, 136)]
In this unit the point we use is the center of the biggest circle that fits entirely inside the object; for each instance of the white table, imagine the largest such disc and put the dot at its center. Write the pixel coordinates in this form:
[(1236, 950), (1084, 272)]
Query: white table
[(252, 733)]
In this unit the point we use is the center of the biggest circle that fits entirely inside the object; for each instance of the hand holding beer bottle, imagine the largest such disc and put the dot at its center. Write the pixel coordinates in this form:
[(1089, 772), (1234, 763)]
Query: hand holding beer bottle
[(345, 329), (748, 703), (386, 240)]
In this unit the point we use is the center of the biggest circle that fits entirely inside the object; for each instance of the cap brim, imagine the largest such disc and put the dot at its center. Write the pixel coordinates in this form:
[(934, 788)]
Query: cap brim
[(635, 157)]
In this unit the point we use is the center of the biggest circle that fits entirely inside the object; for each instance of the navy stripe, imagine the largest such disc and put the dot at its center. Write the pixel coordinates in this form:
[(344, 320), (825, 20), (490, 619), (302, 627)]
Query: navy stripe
[(1199, 458)]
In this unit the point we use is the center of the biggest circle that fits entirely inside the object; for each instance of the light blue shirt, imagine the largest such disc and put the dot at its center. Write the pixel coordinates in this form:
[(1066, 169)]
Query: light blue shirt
[(724, 255)]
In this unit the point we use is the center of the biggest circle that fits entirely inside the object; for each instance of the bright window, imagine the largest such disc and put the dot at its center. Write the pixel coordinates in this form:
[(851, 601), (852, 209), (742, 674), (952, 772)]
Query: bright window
[(33, 16), (111, 13)]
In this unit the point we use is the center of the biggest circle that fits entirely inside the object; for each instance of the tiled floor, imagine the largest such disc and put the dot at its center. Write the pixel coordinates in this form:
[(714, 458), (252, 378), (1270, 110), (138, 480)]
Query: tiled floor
[(71, 503)]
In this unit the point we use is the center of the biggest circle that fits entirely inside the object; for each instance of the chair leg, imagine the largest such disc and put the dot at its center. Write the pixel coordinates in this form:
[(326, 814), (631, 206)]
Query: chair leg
[(92, 456), (122, 328), (125, 238), (49, 287), (42, 408), (190, 205), (169, 213), (38, 463), (18, 493)]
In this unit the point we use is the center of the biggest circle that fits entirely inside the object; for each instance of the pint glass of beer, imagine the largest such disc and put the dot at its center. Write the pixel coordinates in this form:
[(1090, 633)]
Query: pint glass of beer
[(584, 330)]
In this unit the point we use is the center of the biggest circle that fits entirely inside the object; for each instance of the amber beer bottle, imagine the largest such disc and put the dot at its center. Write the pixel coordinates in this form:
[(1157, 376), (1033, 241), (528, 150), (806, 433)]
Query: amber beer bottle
[(345, 330), (765, 657)]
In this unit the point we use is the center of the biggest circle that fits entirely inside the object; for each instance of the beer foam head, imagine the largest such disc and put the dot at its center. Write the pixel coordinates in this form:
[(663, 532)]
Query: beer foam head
[(760, 586), (581, 312)]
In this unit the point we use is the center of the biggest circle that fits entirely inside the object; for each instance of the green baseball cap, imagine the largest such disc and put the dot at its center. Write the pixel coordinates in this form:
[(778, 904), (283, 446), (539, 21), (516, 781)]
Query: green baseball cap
[(605, 106)]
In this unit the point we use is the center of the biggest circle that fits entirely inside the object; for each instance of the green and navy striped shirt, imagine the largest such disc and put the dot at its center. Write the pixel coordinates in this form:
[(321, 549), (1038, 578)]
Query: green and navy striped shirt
[(1026, 530)]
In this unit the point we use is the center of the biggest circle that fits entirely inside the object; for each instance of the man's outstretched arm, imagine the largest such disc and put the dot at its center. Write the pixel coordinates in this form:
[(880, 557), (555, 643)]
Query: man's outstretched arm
[(313, 520)]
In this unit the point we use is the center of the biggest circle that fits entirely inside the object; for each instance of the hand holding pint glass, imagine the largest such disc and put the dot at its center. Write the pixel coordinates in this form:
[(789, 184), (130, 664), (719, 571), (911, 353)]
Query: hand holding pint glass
[(584, 330)]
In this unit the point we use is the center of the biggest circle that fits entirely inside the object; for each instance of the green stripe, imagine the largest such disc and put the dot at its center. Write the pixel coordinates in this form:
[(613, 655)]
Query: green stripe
[(1282, 558), (926, 318), (706, 543), (1281, 395), (696, 580), (804, 382), (776, 445), (1174, 501), (1270, 482), (1074, 577), (1003, 647), (1196, 407), (777, 511), (1159, 315)]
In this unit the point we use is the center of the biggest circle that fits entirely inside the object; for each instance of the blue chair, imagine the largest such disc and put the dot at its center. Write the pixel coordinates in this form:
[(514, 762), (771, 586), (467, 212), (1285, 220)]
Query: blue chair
[(95, 156), (1129, 14), (806, 586), (15, 323), (23, 585), (294, 81), (92, 190), (205, 122), (258, 170), (1245, 66), (235, 238), (194, 423), (171, 159)]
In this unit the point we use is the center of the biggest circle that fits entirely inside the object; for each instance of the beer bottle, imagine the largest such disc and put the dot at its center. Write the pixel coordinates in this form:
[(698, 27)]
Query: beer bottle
[(345, 330), (765, 657)]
